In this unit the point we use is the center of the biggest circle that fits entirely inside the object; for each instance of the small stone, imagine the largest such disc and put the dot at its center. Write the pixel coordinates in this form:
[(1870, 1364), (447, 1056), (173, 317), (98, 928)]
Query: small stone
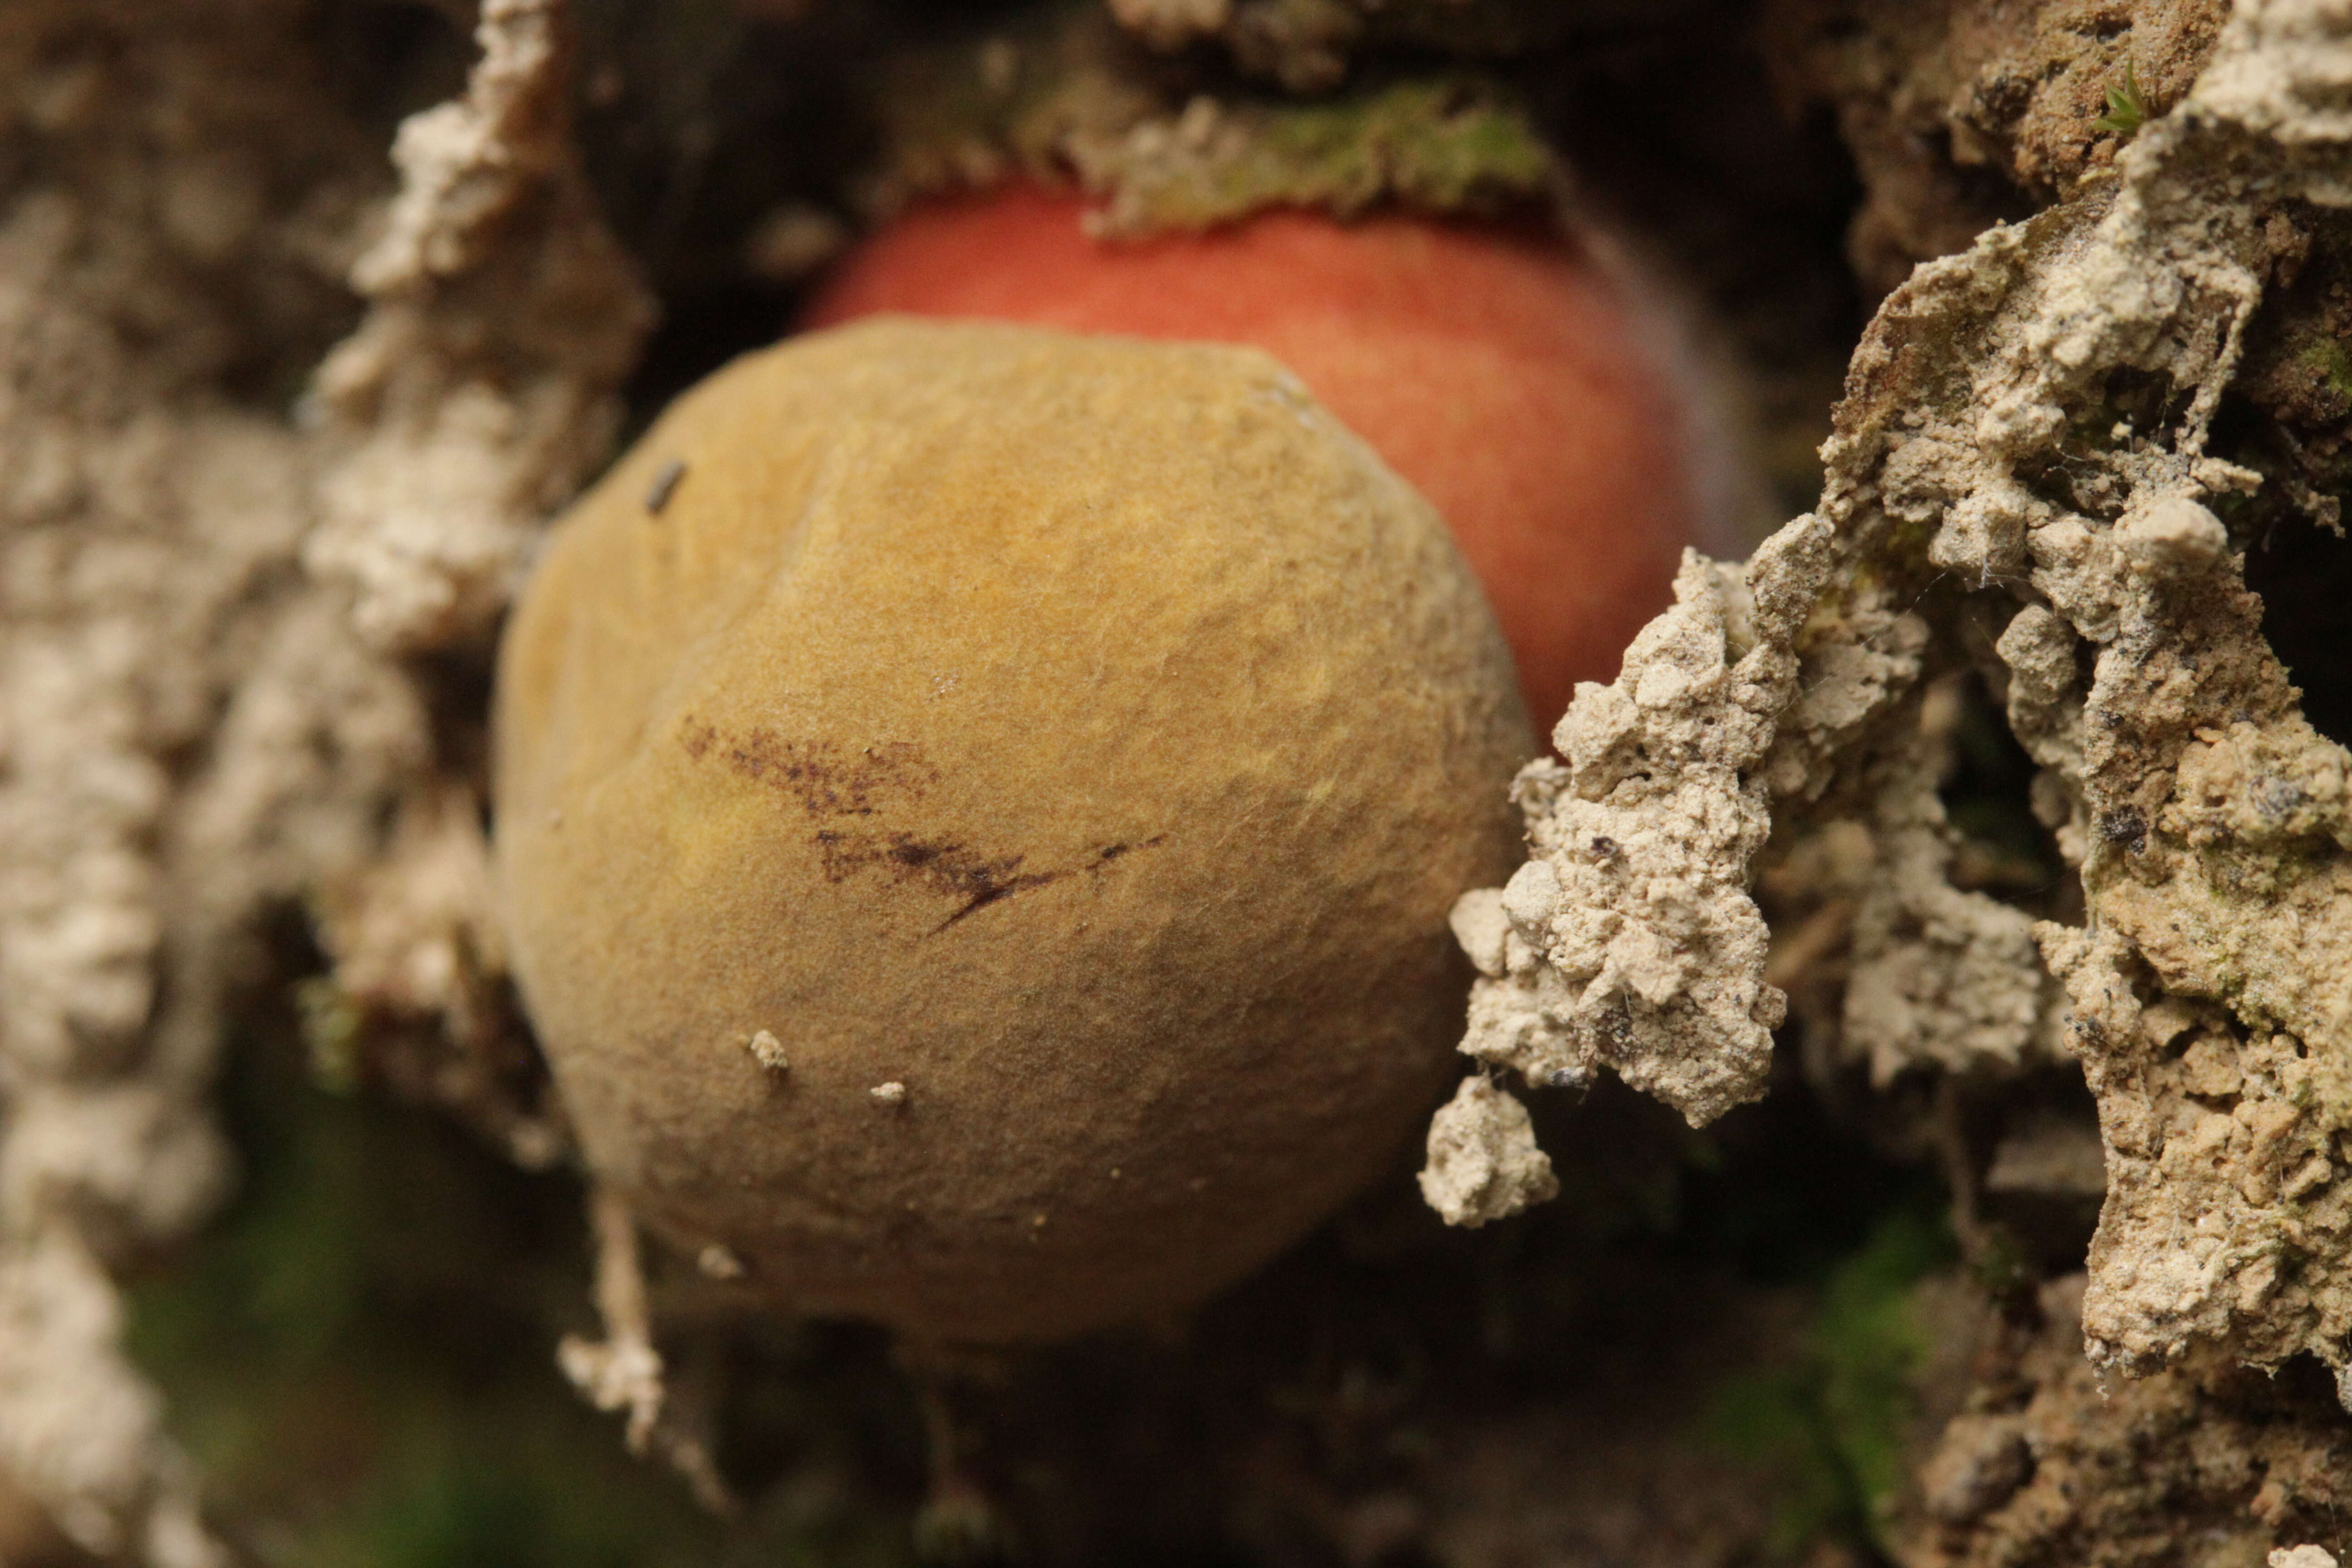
[(717, 1263), (769, 1052), (892, 1094)]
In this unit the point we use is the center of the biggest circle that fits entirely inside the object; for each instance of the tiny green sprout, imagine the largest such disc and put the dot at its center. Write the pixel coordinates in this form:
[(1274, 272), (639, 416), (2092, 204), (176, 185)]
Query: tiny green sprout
[(2127, 111)]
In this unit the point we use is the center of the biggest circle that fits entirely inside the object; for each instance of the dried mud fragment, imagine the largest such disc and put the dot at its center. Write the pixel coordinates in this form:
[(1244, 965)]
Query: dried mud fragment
[(1072, 101), (165, 240), (1981, 451), (195, 734), (1628, 939), (481, 389), (1305, 44), (2178, 770), (1937, 975), (1962, 113), (1433, 146), (1302, 44), (2027, 1461), (479, 392), (1483, 1159)]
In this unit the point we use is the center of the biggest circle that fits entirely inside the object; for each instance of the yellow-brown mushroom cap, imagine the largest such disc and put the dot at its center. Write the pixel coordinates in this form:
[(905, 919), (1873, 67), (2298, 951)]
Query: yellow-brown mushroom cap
[(1087, 737)]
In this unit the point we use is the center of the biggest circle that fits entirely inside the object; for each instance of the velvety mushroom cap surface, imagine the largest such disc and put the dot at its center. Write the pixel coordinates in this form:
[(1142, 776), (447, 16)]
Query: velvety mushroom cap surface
[(1086, 737)]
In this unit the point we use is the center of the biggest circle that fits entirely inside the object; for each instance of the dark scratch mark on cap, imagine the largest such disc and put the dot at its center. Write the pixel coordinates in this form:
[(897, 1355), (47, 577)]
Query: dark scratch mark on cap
[(664, 486)]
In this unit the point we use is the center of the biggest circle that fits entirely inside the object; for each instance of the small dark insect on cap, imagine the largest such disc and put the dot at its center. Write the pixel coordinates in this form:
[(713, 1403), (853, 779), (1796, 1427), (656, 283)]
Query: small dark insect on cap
[(665, 485)]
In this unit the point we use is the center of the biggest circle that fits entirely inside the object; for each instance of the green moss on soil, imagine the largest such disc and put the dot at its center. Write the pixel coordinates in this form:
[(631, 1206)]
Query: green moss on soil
[(1834, 1421)]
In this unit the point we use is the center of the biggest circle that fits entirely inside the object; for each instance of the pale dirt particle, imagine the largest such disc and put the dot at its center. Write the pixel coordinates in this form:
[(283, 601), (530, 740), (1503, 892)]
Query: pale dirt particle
[(769, 1052), (1483, 1159)]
